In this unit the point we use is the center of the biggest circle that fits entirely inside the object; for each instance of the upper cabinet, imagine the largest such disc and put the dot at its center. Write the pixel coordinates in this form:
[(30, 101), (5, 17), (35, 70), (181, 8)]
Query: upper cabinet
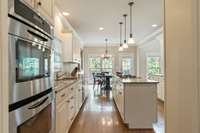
[(76, 49), (30, 3), (71, 48), (67, 52), (45, 7)]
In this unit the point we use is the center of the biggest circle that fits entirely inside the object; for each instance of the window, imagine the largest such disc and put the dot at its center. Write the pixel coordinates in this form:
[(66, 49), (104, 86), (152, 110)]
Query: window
[(153, 65), (98, 64), (107, 65), (127, 65), (95, 64)]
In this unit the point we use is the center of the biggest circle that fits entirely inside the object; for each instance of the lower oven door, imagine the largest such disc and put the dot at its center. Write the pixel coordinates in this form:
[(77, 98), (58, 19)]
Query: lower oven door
[(34, 117)]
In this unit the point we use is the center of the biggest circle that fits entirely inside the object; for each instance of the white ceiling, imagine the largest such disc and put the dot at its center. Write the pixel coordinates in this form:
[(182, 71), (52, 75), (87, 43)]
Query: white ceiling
[(86, 16)]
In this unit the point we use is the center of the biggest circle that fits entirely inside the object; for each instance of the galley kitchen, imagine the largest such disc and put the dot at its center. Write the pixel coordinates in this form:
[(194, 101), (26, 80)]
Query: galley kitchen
[(103, 66)]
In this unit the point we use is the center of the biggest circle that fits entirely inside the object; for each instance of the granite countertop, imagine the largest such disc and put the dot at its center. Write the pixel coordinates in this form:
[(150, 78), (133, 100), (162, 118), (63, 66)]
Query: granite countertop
[(62, 84), (138, 81)]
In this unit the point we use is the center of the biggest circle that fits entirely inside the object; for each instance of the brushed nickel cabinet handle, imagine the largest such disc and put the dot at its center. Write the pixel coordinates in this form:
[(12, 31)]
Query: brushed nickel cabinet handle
[(40, 3)]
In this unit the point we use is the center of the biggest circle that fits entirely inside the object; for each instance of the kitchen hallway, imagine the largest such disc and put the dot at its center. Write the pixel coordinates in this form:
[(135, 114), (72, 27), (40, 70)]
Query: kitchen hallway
[(99, 115)]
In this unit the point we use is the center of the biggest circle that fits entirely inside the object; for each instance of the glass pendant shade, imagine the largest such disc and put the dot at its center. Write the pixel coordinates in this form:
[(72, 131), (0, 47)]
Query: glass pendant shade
[(125, 45), (121, 48), (131, 41)]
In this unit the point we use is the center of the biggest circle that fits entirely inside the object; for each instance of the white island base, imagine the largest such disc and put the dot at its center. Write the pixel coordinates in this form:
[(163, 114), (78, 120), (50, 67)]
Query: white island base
[(136, 100)]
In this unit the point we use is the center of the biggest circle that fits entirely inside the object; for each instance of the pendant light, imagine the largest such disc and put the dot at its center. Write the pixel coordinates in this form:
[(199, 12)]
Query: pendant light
[(131, 40), (121, 45), (106, 55), (125, 45)]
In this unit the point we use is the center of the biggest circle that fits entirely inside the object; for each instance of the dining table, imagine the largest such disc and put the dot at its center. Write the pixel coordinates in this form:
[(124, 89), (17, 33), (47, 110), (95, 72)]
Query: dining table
[(107, 78)]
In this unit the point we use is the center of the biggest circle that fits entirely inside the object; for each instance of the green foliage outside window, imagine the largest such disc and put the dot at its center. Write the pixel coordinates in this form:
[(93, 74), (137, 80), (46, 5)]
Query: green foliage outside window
[(153, 65), (97, 64)]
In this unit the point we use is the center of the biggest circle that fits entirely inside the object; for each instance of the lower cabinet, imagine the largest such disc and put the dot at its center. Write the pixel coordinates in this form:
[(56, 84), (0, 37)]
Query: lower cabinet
[(68, 104), (118, 95), (62, 118), (161, 86)]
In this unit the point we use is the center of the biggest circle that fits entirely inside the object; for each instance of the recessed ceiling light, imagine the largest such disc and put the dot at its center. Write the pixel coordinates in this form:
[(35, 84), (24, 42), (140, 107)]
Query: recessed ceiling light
[(65, 13), (154, 25), (101, 28)]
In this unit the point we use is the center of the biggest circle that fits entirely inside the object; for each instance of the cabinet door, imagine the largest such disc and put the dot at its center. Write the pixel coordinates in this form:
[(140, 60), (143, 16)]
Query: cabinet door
[(61, 118), (45, 7), (29, 3), (67, 47), (76, 49)]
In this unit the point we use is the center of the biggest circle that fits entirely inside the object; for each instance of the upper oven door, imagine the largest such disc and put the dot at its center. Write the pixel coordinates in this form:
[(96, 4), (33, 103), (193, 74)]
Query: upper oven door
[(32, 60)]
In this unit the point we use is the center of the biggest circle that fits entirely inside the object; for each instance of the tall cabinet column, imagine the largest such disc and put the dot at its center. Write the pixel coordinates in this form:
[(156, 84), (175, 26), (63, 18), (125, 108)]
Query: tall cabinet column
[(182, 80)]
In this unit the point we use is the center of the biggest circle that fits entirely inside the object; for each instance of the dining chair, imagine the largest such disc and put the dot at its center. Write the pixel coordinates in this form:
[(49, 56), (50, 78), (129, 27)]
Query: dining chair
[(96, 81)]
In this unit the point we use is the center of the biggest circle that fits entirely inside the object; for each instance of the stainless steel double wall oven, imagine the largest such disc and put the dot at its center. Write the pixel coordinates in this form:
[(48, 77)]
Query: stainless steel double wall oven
[(31, 99)]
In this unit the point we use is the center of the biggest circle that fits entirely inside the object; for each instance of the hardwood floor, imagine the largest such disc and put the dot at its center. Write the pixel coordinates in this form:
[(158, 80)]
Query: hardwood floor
[(99, 115)]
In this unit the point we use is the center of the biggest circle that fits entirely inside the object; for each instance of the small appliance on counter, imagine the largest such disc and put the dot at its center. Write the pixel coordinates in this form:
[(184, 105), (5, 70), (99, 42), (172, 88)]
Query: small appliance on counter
[(31, 98)]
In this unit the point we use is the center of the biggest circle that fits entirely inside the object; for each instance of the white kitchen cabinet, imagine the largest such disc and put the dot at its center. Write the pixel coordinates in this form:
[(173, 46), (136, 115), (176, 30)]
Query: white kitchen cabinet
[(78, 97), (45, 7), (67, 53), (29, 3), (72, 48), (161, 86), (68, 104), (118, 93), (76, 50), (61, 117)]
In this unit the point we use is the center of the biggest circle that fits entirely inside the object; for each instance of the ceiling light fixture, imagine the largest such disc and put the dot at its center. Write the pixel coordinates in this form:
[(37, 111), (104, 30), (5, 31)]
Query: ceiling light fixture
[(125, 45), (101, 28), (121, 45), (131, 40), (106, 55), (154, 25), (65, 13)]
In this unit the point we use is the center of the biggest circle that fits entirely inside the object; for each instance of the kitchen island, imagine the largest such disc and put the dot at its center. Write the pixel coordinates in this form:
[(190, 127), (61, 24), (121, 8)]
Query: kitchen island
[(136, 101)]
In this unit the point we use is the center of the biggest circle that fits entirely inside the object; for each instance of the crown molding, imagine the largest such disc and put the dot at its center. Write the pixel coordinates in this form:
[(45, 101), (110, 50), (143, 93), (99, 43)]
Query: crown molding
[(150, 37)]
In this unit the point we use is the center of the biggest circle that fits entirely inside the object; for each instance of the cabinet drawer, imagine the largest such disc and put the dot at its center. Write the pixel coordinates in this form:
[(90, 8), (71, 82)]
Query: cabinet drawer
[(60, 96)]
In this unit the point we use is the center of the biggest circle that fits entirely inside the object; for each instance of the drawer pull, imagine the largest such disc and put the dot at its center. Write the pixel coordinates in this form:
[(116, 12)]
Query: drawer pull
[(63, 95), (68, 101), (72, 88)]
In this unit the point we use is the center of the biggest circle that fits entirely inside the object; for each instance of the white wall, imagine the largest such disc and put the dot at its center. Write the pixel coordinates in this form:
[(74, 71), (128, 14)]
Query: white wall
[(3, 67), (152, 46), (182, 77), (113, 50)]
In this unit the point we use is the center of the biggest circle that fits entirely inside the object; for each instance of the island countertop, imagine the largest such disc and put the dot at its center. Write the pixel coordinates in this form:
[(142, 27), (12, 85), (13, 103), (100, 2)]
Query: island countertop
[(138, 81)]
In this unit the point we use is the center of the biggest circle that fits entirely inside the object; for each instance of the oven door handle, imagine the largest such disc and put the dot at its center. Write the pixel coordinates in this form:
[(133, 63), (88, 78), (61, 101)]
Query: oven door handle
[(38, 104), (36, 35)]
